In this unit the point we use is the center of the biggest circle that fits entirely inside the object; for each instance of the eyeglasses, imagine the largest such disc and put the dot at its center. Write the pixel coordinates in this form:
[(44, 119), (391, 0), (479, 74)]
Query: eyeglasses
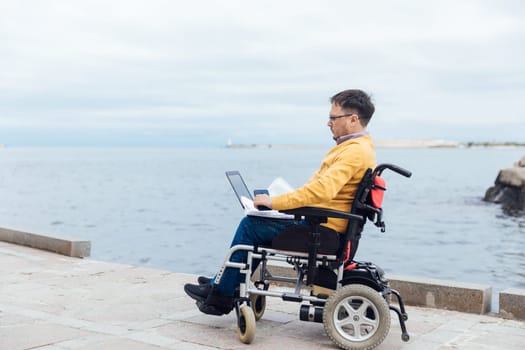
[(333, 118)]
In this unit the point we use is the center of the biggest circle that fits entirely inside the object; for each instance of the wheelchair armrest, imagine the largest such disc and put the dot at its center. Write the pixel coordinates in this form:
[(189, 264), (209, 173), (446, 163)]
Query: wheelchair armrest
[(321, 213)]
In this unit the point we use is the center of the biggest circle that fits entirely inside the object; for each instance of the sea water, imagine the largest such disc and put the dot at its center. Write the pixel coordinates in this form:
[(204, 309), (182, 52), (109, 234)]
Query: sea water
[(174, 209)]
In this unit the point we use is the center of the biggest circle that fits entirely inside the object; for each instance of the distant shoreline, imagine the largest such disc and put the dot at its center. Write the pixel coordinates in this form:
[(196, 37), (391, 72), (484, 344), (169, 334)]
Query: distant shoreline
[(401, 143)]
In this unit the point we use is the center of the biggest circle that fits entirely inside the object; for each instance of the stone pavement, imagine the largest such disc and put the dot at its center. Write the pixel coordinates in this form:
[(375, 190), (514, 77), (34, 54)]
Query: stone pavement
[(53, 302)]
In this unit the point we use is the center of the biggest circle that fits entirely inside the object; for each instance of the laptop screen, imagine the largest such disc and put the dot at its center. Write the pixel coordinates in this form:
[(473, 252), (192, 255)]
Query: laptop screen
[(238, 185)]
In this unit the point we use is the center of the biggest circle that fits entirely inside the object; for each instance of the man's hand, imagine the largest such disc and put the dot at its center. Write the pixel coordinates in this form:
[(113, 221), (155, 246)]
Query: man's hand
[(262, 200)]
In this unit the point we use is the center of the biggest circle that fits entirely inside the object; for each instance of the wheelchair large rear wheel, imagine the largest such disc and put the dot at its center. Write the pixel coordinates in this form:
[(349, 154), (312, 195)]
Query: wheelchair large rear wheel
[(246, 324), (356, 317)]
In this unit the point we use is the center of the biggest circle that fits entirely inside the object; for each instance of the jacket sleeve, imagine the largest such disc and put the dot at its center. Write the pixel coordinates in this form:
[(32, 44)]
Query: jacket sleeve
[(325, 184)]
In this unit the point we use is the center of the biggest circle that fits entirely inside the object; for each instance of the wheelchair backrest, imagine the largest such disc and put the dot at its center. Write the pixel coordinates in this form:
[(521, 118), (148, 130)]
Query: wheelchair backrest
[(368, 200), (368, 203)]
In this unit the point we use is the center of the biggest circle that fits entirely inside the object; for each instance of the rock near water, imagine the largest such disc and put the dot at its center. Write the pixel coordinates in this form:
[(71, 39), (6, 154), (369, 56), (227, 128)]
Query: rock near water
[(509, 189)]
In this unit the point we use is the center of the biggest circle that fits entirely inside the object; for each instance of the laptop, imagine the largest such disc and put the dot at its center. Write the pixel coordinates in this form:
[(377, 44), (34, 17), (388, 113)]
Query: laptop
[(238, 185), (241, 190)]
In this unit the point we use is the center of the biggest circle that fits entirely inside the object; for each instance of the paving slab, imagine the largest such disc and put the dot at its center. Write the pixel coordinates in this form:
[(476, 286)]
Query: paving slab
[(53, 302)]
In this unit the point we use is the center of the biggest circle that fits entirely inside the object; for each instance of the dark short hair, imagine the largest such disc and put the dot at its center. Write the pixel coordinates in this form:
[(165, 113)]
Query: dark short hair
[(356, 100)]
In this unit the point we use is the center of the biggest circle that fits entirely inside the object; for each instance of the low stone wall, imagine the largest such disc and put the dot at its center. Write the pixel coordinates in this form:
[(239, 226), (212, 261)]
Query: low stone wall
[(74, 248), (512, 303), (445, 294)]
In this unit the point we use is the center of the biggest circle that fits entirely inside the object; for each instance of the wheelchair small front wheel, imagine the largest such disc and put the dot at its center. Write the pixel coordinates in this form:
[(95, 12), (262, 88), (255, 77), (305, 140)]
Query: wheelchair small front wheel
[(246, 324), (258, 304), (356, 317)]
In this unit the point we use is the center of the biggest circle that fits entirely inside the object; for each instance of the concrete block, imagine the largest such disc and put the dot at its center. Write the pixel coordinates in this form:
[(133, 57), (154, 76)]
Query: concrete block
[(74, 248), (439, 294), (443, 294), (512, 304)]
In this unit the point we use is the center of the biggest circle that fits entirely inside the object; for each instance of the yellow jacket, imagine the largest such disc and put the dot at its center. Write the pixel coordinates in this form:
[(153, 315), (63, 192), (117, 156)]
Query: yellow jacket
[(334, 185)]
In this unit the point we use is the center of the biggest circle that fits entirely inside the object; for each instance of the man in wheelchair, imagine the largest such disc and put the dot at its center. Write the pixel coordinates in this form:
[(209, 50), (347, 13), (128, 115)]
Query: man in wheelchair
[(333, 186)]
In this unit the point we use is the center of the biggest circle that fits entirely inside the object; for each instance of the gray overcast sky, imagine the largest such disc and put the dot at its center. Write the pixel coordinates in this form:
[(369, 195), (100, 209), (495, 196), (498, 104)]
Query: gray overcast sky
[(257, 71)]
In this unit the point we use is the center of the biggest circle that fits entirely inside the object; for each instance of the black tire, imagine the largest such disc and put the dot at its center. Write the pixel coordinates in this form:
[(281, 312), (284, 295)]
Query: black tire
[(258, 304), (356, 317)]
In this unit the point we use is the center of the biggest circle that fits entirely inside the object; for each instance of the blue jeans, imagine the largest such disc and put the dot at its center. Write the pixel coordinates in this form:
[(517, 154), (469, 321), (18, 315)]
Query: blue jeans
[(252, 230)]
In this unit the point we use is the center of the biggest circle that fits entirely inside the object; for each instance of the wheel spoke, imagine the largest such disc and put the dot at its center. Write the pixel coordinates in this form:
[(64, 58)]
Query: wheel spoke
[(362, 311), (347, 305), (348, 313), (348, 326), (369, 322), (348, 320)]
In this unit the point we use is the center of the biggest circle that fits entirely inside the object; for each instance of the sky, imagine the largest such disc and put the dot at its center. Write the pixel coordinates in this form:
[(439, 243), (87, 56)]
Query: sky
[(176, 73)]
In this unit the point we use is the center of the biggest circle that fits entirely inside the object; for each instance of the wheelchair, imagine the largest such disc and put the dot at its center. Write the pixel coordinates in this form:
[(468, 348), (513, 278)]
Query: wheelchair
[(351, 298)]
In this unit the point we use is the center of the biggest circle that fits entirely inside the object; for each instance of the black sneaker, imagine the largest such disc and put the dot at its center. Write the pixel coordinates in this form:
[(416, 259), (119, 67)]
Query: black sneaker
[(198, 292), (216, 304), (209, 309), (204, 280)]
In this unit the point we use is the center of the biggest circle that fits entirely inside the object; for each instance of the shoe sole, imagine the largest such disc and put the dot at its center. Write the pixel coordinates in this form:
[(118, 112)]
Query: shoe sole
[(210, 309)]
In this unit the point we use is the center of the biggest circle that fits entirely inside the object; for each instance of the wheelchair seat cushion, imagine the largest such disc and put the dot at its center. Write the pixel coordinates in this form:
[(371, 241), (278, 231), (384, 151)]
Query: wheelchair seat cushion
[(297, 238)]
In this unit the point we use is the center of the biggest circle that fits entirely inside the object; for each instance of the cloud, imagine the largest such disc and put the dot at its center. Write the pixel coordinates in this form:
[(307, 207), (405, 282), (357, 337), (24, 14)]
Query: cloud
[(257, 67)]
